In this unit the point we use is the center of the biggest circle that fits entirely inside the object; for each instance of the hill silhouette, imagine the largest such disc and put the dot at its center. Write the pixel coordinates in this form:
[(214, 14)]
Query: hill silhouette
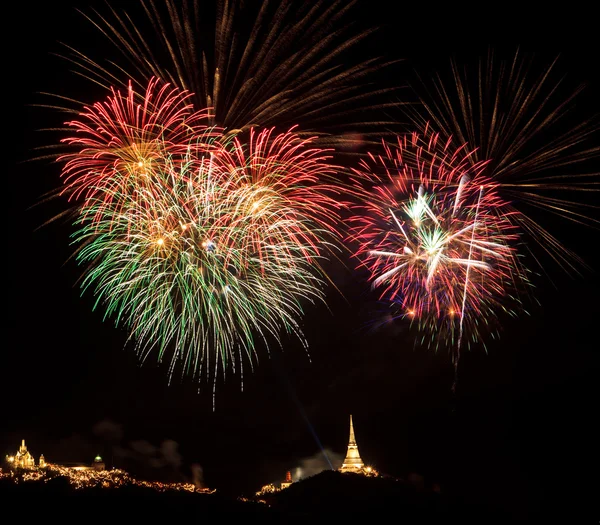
[(328, 497), (331, 496)]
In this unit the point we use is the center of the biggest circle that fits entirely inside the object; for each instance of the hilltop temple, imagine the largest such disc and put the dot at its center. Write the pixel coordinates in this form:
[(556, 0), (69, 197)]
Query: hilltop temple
[(24, 459), (288, 480), (353, 462)]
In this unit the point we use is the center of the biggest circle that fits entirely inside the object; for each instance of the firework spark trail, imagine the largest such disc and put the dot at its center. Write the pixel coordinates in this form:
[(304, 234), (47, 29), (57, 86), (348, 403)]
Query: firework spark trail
[(264, 64), (464, 298), (434, 242)]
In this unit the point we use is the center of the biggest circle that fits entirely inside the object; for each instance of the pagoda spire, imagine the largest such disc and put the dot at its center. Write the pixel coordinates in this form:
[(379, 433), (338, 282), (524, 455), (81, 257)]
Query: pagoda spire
[(352, 463), (352, 438)]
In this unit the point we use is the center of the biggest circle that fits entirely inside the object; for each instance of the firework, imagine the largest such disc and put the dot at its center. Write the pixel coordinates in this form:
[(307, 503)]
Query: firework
[(214, 252), (518, 114), (281, 179), (255, 64), (117, 144), (438, 242)]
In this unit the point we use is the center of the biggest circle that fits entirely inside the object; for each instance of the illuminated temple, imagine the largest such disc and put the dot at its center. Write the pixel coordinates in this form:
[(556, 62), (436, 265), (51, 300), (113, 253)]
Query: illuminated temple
[(22, 468), (24, 459), (271, 487), (353, 462)]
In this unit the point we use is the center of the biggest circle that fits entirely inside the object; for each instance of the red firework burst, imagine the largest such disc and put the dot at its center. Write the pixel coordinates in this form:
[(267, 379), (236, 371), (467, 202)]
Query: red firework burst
[(283, 192), (119, 141), (437, 240)]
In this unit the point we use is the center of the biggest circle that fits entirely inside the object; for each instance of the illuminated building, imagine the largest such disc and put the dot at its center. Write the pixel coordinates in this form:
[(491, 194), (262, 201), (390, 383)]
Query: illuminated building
[(271, 488), (98, 463), (23, 458), (42, 463), (352, 463), (288, 480)]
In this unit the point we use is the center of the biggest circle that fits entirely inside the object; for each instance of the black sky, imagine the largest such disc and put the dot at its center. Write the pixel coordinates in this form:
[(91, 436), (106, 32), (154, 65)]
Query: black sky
[(518, 433)]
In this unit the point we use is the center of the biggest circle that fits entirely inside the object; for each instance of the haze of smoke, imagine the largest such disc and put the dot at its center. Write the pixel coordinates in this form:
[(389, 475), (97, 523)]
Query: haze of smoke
[(143, 452), (108, 430), (197, 475), (317, 463)]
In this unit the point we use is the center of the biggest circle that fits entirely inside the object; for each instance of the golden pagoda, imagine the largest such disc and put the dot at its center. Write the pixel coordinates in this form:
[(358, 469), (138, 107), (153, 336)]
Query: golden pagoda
[(352, 463)]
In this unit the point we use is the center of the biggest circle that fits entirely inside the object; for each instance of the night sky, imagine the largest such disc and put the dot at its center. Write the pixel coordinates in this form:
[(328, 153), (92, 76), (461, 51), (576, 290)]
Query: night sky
[(519, 432)]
